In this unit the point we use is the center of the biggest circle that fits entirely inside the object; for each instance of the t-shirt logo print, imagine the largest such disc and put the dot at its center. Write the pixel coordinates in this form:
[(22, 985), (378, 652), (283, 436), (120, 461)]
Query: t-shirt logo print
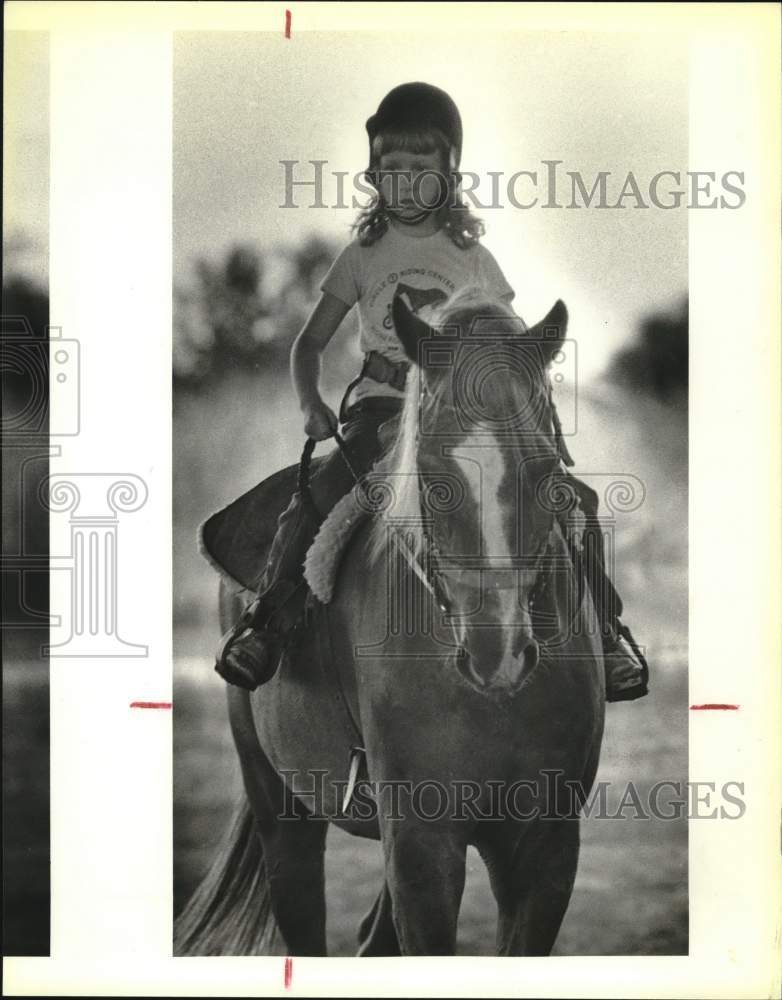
[(415, 299)]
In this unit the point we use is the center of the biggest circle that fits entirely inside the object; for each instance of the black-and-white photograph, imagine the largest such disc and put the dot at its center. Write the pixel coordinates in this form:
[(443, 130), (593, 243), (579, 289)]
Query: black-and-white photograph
[(390, 499), (431, 430)]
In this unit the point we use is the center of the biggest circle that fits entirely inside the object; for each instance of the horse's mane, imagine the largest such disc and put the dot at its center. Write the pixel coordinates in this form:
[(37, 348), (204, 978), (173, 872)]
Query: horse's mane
[(395, 476)]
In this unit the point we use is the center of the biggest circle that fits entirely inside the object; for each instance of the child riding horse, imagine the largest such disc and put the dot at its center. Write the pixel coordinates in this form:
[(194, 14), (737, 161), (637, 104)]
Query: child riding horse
[(418, 242)]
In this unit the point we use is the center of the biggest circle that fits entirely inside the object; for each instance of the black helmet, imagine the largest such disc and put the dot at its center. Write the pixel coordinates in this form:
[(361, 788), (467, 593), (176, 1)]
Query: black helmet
[(415, 106)]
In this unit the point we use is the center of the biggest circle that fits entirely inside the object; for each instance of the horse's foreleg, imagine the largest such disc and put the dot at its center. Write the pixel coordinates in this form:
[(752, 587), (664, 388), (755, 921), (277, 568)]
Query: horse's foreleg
[(425, 871), (294, 852), (293, 842), (377, 935), (532, 875)]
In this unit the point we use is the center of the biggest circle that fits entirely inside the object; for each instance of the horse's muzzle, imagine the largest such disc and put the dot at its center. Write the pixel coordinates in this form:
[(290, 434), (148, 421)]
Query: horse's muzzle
[(506, 677)]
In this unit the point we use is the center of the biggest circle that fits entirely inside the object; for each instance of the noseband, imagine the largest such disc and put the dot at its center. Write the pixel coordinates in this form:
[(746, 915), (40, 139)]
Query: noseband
[(436, 574)]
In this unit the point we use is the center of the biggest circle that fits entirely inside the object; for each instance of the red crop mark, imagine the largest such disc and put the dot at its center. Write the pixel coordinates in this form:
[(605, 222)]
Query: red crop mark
[(714, 707), (150, 704), (288, 972), (287, 24)]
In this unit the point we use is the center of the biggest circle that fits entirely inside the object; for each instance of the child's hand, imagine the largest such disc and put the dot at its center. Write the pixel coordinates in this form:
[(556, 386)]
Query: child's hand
[(321, 421)]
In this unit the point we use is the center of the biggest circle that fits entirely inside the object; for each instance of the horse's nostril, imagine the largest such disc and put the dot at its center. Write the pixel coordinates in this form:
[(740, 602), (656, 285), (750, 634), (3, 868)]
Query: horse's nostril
[(465, 667), (529, 657)]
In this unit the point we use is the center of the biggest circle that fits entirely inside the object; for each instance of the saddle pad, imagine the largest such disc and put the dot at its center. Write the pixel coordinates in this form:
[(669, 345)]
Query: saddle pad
[(322, 561), (236, 540)]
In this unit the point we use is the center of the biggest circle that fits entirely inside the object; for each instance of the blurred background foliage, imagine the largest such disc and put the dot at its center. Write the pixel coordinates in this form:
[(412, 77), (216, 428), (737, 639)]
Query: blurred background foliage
[(242, 311), (25, 318), (657, 360)]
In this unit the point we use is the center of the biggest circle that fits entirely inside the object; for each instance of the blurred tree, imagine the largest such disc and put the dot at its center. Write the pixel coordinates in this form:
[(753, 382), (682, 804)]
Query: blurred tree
[(657, 362), (244, 311), (22, 297), (25, 435)]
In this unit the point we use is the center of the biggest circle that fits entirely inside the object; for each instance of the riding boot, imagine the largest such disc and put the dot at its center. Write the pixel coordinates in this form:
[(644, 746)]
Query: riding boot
[(249, 653), (626, 670)]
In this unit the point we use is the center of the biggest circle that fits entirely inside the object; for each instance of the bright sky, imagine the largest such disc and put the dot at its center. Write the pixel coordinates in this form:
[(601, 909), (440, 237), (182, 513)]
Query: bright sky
[(598, 102), (26, 153)]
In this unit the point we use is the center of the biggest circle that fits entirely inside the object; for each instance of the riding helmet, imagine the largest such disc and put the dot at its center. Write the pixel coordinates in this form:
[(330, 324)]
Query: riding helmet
[(414, 106)]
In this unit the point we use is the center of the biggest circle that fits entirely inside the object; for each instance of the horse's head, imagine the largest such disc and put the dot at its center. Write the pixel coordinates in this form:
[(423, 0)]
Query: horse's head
[(485, 449)]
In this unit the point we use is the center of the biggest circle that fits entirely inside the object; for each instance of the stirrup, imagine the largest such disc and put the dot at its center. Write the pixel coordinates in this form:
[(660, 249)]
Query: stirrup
[(256, 622), (253, 618), (259, 665), (637, 687)]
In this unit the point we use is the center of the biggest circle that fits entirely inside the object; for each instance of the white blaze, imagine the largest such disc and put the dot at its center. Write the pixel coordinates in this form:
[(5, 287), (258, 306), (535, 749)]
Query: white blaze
[(484, 465)]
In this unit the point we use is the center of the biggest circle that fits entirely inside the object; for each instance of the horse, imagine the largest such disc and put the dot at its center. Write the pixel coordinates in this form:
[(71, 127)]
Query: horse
[(452, 689)]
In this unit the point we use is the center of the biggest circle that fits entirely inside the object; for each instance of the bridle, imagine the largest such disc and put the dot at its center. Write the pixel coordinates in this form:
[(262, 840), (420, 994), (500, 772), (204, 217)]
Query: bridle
[(544, 548), (428, 566), (438, 579)]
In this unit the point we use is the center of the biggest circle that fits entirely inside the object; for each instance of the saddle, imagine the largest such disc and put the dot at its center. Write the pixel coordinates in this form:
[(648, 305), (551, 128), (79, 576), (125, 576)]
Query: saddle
[(235, 540)]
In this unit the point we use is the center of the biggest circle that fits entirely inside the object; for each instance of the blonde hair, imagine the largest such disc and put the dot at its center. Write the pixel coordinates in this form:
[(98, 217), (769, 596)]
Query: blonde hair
[(458, 223)]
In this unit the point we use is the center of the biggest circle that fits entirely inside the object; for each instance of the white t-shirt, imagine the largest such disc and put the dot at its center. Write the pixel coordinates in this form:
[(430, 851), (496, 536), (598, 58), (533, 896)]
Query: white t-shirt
[(425, 270)]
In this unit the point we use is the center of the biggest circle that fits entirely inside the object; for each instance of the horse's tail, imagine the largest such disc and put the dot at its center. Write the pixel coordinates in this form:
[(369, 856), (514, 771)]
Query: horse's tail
[(230, 912)]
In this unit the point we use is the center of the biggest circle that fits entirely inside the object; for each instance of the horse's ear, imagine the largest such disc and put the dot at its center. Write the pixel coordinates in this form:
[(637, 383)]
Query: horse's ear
[(409, 328), (551, 330)]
